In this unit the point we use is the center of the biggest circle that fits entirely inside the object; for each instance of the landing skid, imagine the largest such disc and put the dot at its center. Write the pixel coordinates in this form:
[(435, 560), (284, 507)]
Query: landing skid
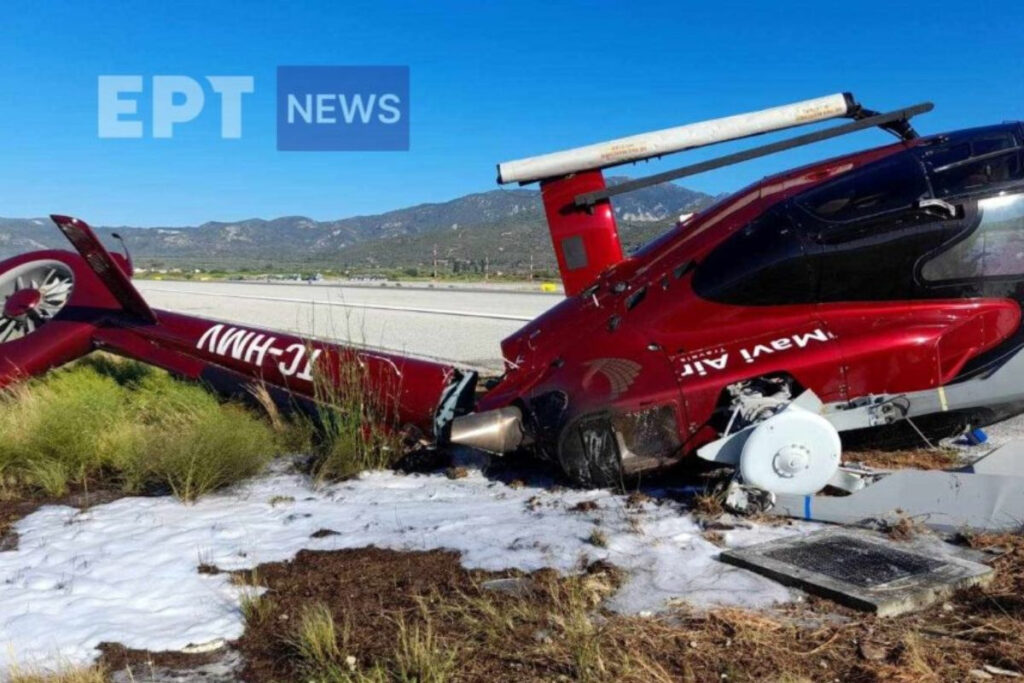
[(986, 495)]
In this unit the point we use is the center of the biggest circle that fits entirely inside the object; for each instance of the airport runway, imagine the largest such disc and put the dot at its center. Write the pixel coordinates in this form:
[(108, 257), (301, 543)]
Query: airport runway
[(452, 324)]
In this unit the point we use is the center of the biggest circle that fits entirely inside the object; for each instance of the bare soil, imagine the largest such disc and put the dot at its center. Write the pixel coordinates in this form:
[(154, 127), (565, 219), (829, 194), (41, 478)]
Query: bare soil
[(918, 459), (367, 588), (539, 634), (115, 657)]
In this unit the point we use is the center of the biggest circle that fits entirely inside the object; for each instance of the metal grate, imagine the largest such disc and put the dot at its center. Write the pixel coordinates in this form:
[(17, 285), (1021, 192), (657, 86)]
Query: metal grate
[(854, 561)]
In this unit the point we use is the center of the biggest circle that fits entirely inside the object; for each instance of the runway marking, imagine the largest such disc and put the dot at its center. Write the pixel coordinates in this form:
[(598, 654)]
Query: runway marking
[(375, 307)]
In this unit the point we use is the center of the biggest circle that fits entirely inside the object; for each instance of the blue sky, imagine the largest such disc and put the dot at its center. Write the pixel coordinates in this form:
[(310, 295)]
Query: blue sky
[(489, 82)]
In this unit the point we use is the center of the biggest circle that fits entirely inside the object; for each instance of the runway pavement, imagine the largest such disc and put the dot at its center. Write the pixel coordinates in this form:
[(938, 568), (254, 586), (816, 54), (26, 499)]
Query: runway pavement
[(465, 326)]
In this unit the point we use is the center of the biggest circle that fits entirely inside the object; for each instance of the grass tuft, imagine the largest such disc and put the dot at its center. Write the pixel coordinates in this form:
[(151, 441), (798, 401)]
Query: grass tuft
[(318, 643), (709, 505), (598, 538), (420, 655), (119, 424), (256, 607), (217, 447), (254, 602), (356, 426)]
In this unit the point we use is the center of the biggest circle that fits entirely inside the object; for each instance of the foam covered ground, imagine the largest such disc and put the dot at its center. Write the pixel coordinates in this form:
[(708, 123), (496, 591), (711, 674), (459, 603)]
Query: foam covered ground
[(126, 571)]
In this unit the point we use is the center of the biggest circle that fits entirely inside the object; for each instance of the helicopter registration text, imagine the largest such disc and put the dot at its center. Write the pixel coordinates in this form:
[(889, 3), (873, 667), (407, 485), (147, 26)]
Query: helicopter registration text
[(253, 347)]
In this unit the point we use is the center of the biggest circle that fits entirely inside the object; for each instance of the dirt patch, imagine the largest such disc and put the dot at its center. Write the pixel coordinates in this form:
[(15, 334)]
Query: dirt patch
[(558, 631), (11, 512), (323, 533), (367, 588), (128, 666), (116, 657), (918, 459), (374, 594)]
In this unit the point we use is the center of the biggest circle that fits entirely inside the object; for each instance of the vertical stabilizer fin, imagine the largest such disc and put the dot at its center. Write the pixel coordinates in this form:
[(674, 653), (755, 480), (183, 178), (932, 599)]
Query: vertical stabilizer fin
[(586, 240)]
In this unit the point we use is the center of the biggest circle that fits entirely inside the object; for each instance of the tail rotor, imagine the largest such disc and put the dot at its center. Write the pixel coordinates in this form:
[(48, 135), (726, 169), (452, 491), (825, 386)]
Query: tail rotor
[(32, 295)]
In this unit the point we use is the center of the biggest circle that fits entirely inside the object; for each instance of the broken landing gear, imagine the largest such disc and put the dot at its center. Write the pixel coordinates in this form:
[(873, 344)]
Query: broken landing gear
[(784, 461)]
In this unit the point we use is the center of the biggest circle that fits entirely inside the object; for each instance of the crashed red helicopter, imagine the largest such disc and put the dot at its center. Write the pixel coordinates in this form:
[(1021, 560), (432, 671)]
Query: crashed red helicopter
[(873, 295)]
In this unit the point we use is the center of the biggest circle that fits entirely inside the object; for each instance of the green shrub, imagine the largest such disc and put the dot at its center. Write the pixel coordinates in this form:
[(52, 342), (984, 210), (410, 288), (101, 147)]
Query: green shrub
[(203, 450), (60, 430), (106, 421), (109, 422)]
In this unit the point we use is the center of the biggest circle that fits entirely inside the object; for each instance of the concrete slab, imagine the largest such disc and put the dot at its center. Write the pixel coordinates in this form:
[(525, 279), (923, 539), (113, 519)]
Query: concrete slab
[(864, 569)]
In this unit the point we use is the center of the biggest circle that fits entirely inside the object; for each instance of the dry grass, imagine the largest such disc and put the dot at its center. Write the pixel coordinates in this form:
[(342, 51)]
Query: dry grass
[(709, 505), (261, 395), (256, 607), (598, 538), (918, 459), (420, 655), (356, 425), (557, 630), (255, 603), (316, 639), (85, 674), (904, 528)]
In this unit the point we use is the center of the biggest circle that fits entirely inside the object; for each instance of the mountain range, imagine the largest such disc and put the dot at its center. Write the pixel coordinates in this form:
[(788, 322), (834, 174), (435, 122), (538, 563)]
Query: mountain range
[(504, 228)]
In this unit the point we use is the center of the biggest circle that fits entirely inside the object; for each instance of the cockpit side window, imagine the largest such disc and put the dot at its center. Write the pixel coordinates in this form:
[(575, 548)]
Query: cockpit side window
[(993, 246), (763, 263), (892, 184)]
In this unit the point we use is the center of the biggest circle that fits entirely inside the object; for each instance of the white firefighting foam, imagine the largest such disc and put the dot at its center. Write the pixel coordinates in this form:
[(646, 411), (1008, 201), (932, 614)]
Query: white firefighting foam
[(126, 571)]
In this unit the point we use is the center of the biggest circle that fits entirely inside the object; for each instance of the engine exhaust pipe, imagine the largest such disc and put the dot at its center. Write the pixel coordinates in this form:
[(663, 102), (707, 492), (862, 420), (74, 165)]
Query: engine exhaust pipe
[(496, 431)]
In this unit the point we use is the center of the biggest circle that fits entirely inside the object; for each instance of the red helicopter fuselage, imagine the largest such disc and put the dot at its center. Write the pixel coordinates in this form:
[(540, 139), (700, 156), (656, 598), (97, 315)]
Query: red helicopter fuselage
[(842, 277)]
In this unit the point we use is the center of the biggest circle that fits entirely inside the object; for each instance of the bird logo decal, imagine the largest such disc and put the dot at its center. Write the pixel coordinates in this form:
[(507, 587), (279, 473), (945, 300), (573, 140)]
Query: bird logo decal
[(619, 372)]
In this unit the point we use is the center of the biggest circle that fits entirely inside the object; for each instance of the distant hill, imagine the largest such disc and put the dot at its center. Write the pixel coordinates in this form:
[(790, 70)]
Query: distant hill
[(505, 227)]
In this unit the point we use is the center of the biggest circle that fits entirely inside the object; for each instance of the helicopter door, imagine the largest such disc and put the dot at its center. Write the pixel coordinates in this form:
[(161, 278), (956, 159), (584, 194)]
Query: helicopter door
[(868, 231), (756, 298)]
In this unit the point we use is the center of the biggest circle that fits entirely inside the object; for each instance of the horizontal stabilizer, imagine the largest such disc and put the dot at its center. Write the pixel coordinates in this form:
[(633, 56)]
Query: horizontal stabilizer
[(104, 265)]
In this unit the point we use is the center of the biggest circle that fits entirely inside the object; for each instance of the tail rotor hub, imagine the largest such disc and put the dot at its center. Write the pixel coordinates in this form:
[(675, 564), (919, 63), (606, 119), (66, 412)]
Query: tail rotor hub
[(21, 303), (32, 294)]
